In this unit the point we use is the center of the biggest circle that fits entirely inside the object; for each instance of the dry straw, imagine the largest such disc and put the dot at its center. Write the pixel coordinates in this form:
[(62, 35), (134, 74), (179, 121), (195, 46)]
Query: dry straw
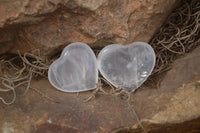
[(18, 72), (179, 35)]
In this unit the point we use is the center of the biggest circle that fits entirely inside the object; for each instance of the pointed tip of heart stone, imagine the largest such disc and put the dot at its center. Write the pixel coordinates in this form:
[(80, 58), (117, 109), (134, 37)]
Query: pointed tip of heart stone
[(126, 66), (76, 69)]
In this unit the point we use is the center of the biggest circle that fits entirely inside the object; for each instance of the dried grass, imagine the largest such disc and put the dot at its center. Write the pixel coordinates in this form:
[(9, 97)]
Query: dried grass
[(17, 72), (179, 35)]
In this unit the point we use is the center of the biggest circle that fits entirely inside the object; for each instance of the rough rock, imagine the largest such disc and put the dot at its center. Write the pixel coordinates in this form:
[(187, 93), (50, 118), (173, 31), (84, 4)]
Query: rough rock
[(50, 25), (174, 107)]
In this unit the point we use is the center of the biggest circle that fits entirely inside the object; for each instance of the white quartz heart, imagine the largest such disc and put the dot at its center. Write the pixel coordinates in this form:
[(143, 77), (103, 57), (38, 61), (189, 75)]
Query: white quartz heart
[(127, 66), (76, 69)]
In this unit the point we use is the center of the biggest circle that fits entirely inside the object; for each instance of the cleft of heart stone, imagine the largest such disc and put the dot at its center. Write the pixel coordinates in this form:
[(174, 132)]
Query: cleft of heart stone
[(126, 66), (76, 70)]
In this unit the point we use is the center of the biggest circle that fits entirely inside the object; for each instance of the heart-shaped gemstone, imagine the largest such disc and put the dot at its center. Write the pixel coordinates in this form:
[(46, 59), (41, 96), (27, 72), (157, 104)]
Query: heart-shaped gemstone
[(127, 66), (76, 69)]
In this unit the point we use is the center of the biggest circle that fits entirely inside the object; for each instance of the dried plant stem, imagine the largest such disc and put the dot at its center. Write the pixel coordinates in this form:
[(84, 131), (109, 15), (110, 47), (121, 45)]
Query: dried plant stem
[(45, 96), (13, 76), (118, 91), (179, 35), (98, 88), (137, 117)]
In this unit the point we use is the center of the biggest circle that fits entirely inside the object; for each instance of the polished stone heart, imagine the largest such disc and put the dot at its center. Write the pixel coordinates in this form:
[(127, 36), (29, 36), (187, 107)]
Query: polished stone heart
[(76, 69), (127, 66)]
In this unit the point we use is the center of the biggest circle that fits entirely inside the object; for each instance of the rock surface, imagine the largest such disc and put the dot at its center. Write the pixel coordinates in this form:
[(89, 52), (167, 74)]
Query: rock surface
[(176, 101), (50, 25)]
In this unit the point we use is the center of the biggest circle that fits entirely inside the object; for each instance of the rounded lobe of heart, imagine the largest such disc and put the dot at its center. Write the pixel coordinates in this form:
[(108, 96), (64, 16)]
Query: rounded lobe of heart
[(76, 69), (127, 66)]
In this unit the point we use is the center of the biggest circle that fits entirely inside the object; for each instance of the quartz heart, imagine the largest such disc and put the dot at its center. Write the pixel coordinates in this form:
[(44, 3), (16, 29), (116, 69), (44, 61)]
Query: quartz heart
[(127, 66), (76, 69)]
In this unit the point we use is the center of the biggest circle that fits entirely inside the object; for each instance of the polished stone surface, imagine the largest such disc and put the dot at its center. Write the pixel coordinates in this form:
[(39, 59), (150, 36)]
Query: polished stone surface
[(126, 66), (76, 69)]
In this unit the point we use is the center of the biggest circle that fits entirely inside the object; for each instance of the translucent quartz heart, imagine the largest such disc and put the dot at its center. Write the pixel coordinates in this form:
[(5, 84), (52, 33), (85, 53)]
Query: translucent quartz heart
[(126, 66), (76, 69)]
